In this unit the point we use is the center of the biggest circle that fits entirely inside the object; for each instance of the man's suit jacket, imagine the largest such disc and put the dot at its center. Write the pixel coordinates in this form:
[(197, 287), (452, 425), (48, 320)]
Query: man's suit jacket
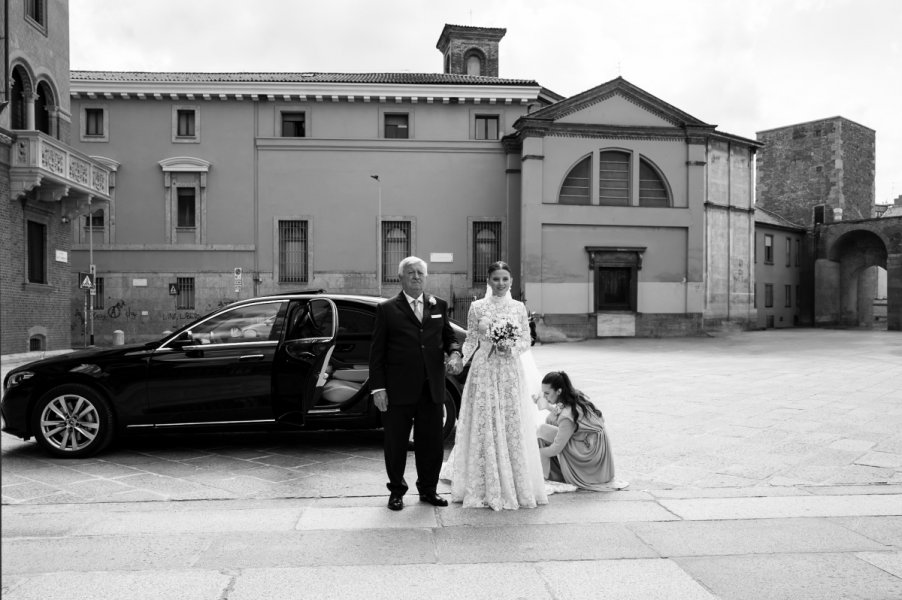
[(406, 352)]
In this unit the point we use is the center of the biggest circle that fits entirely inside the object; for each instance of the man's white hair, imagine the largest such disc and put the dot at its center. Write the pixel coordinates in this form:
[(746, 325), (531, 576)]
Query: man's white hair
[(412, 260)]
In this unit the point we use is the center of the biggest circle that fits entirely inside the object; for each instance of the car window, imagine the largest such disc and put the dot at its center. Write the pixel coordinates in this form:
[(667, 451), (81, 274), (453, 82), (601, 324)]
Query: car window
[(250, 323), (310, 320), (354, 321)]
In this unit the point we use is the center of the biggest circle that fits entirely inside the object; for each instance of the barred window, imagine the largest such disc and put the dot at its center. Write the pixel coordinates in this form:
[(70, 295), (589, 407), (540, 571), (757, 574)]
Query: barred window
[(98, 293), (768, 295), (185, 298), (575, 189), (486, 248), (395, 247), (614, 178), (293, 252)]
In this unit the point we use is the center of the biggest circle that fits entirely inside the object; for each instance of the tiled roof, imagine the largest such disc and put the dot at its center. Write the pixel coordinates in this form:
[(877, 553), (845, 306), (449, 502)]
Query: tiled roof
[(302, 77), (767, 217)]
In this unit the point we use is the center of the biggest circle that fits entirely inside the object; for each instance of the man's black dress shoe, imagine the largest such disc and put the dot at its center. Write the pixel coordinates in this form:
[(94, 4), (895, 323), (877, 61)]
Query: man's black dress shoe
[(433, 499), (395, 502)]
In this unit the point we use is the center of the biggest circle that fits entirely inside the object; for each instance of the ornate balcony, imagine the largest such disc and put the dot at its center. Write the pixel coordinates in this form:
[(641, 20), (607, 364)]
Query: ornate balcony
[(54, 172)]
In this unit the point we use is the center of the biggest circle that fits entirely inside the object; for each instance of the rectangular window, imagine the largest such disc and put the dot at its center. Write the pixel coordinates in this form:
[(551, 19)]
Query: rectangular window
[(94, 122), (293, 252), (768, 295), (98, 293), (614, 179), (37, 252), (395, 247), (486, 127), (798, 250), (798, 294), (36, 11), (185, 123), (788, 252), (396, 127), (768, 249), (787, 290), (755, 296), (293, 124), (486, 248), (186, 208), (185, 298)]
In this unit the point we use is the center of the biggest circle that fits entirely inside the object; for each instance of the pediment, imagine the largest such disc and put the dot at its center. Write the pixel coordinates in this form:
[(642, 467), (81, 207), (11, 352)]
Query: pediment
[(616, 109)]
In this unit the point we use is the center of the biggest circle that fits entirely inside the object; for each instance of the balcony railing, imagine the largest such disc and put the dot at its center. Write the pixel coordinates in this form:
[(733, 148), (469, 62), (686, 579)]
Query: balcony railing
[(55, 169)]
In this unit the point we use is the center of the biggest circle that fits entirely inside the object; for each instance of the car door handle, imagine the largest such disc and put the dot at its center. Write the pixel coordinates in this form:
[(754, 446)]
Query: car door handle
[(250, 357)]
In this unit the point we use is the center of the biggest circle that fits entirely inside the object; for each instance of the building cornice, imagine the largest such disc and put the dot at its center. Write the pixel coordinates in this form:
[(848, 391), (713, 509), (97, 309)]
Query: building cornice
[(305, 92)]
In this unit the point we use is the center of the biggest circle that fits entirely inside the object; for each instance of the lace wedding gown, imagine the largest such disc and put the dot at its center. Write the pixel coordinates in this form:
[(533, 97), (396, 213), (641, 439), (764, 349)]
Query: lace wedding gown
[(495, 460)]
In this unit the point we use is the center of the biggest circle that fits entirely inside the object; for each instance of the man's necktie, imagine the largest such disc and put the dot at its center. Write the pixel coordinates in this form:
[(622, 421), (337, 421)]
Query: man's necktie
[(418, 309)]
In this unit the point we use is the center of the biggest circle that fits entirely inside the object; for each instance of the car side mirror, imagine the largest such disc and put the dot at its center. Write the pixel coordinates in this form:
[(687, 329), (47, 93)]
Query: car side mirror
[(181, 340)]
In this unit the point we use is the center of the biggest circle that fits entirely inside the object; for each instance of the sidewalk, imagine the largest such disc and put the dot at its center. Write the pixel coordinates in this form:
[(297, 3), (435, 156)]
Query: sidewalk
[(764, 465)]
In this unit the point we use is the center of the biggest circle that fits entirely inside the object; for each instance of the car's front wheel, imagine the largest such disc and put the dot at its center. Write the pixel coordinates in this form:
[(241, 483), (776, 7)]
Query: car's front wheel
[(449, 415), (72, 421)]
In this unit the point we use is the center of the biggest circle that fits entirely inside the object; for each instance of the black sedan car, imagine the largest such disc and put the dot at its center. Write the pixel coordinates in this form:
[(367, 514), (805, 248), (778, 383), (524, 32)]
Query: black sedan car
[(290, 360)]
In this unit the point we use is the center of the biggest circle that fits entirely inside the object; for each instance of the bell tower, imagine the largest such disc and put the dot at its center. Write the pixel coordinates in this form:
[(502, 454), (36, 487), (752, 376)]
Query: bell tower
[(470, 50)]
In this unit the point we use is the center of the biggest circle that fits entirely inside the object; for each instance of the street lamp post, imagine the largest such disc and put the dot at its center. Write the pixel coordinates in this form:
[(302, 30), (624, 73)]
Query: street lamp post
[(379, 236), (91, 269)]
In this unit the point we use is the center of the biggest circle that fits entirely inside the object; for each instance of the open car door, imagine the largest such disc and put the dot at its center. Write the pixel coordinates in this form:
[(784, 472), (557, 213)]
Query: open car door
[(303, 357)]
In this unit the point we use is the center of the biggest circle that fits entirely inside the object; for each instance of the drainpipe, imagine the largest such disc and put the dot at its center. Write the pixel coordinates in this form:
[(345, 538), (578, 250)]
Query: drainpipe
[(5, 101)]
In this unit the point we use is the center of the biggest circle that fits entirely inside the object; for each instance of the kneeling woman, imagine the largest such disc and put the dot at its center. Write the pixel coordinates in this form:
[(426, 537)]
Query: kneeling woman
[(573, 443)]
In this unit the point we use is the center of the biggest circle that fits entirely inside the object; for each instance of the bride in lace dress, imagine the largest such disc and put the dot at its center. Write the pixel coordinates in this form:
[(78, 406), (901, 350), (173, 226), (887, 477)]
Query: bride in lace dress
[(495, 460)]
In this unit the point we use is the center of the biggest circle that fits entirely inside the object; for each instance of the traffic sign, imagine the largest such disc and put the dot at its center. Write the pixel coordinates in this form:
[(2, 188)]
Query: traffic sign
[(86, 281), (173, 289)]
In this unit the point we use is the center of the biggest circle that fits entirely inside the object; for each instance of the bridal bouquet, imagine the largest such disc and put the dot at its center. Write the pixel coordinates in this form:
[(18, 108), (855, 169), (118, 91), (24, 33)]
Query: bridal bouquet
[(504, 334)]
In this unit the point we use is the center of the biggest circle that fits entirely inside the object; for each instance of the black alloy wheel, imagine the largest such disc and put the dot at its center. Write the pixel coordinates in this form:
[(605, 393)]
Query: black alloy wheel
[(72, 421)]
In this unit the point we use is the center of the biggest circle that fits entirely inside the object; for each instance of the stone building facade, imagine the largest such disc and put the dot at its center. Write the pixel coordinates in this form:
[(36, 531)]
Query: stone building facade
[(782, 266), (828, 163), (43, 180)]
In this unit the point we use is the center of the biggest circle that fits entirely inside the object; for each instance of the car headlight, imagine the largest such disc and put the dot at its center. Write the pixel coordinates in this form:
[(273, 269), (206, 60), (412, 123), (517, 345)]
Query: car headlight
[(17, 378)]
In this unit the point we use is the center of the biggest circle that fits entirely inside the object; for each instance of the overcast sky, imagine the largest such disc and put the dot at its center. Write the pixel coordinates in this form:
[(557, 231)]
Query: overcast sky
[(745, 66)]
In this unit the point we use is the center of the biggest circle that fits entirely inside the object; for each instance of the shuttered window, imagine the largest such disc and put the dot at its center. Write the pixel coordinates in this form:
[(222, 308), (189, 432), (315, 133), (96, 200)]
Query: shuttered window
[(614, 178), (652, 189), (293, 252), (575, 189)]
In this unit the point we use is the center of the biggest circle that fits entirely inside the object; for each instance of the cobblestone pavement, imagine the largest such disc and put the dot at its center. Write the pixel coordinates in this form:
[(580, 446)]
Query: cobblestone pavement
[(773, 412)]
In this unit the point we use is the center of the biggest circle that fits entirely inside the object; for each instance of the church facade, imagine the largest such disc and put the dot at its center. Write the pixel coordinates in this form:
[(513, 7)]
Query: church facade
[(620, 214)]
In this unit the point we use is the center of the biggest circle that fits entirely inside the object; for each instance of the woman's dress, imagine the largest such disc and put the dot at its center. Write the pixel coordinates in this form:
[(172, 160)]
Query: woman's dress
[(495, 460), (582, 458)]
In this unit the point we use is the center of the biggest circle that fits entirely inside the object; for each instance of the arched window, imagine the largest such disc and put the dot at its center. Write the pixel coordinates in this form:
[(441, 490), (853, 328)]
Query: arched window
[(652, 187), (36, 343), (614, 178), (395, 246), (486, 248), (474, 60), (42, 109), (575, 189), (17, 100)]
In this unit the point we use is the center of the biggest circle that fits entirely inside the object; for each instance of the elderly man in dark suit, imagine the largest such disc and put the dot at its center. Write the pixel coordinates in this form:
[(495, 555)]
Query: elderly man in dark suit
[(411, 339)]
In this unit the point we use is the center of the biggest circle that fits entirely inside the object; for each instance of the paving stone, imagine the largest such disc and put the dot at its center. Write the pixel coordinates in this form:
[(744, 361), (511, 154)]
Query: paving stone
[(212, 521), (415, 514), (394, 582), (387, 546), (857, 445), (792, 577), (532, 543), (581, 510), (891, 562), (640, 579), (886, 530), (784, 507), (881, 459), (760, 536), (140, 585)]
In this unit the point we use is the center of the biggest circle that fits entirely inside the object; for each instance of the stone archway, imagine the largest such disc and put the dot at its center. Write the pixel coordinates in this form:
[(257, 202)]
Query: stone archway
[(845, 276)]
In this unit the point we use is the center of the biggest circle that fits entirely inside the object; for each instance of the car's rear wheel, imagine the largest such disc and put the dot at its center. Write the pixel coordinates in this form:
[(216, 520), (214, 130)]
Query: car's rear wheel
[(72, 421)]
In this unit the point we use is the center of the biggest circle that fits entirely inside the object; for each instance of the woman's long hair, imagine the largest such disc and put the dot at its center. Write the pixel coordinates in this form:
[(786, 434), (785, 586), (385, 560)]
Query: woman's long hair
[(570, 396)]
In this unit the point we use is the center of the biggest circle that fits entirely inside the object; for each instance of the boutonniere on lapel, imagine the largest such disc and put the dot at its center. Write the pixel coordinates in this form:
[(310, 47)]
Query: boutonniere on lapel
[(431, 300)]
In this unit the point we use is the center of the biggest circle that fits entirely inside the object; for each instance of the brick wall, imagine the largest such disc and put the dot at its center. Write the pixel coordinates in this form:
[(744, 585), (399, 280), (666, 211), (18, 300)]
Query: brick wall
[(858, 171)]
